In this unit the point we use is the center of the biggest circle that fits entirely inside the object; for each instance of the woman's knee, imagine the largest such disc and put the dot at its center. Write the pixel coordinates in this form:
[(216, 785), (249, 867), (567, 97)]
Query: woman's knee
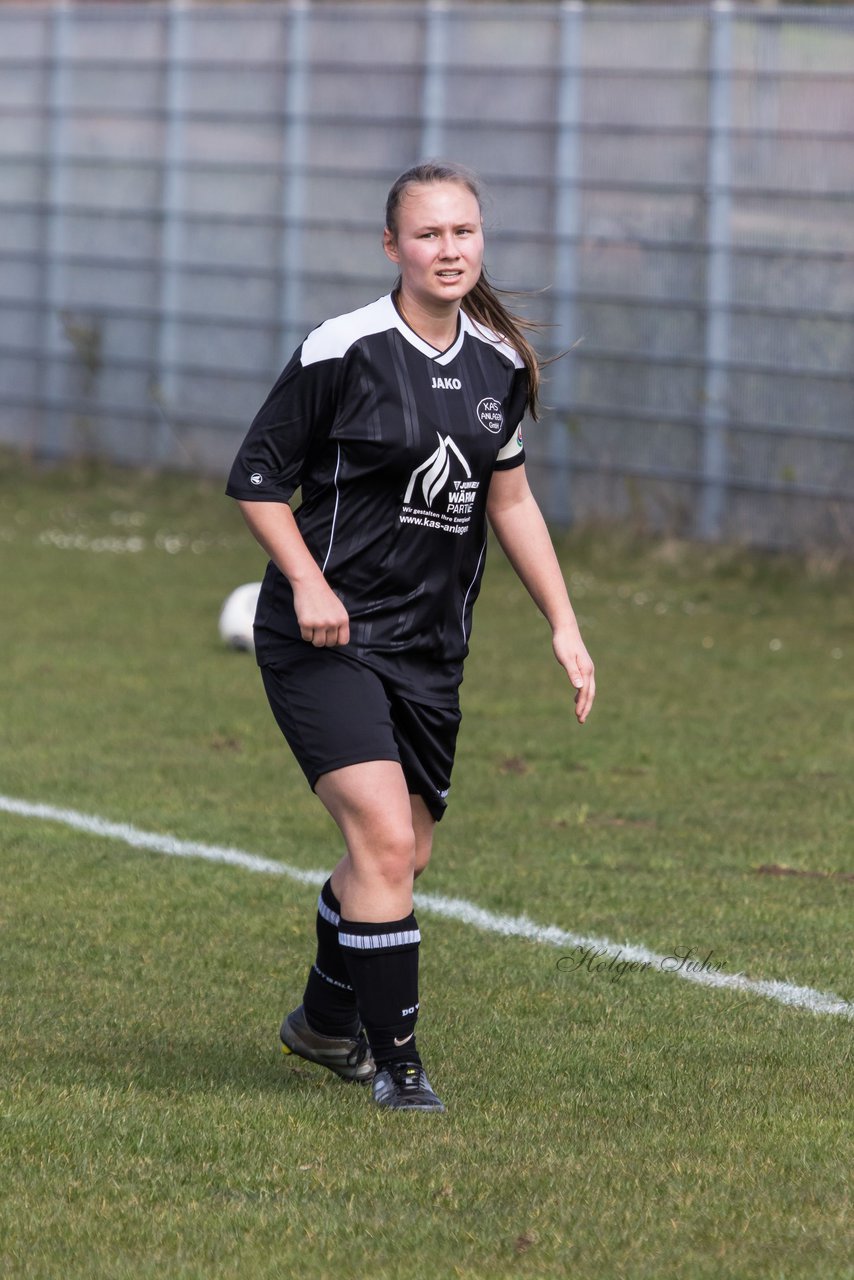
[(392, 853), (383, 850)]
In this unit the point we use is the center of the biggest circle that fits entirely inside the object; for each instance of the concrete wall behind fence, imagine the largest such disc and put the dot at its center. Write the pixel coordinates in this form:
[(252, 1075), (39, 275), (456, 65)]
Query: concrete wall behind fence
[(186, 190)]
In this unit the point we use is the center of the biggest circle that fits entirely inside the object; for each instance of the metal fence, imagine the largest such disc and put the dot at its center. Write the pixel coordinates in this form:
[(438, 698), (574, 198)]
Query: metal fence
[(185, 190)]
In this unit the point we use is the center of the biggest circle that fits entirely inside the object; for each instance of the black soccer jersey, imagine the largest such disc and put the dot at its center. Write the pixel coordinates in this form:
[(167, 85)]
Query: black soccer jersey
[(394, 444)]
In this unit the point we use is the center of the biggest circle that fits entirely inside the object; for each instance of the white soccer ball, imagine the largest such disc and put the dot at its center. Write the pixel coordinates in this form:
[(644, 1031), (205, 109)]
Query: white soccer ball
[(237, 615)]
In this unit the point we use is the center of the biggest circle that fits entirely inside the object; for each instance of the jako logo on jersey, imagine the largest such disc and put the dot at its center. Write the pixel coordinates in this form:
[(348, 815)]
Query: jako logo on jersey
[(489, 414), (435, 471), (256, 478), (447, 384)]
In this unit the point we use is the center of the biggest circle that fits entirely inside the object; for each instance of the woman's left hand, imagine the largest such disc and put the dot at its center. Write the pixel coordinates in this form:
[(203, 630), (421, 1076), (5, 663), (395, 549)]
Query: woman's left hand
[(571, 653)]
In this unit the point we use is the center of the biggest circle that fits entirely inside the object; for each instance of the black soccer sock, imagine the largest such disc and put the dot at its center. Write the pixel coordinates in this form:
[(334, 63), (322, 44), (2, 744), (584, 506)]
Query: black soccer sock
[(382, 960), (329, 1000)]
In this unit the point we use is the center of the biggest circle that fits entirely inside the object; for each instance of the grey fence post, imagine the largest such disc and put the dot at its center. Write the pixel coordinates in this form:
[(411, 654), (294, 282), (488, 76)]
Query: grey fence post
[(294, 153), (50, 340), (433, 95), (163, 391), (718, 267), (567, 223)]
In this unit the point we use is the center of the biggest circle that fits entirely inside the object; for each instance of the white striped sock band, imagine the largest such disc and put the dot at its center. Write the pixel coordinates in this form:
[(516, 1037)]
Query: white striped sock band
[(327, 913), (376, 941), (345, 986)]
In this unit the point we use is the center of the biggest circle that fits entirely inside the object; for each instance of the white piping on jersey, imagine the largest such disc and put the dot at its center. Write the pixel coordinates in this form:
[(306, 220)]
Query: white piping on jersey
[(334, 513), (415, 340), (471, 584), (491, 338)]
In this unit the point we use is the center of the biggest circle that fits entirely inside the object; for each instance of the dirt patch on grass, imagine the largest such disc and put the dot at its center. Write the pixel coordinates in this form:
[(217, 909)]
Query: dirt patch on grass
[(514, 764), (778, 869)]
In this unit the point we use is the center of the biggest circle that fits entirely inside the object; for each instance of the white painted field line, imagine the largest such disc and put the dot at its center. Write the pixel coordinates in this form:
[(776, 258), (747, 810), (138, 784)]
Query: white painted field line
[(583, 952), (154, 843)]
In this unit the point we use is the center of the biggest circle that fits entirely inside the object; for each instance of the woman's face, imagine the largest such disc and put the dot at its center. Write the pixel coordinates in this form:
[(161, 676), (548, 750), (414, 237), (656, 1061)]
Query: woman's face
[(439, 242)]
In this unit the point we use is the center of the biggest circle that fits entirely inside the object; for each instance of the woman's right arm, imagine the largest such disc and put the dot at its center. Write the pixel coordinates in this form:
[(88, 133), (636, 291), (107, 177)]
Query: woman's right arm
[(322, 618)]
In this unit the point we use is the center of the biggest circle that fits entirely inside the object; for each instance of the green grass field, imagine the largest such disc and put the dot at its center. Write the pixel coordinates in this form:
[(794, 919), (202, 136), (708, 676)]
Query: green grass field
[(645, 1128)]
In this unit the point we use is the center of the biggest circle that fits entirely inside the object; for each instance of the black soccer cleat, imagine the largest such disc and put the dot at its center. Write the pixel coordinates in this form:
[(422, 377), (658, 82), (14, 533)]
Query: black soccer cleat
[(349, 1057), (403, 1086)]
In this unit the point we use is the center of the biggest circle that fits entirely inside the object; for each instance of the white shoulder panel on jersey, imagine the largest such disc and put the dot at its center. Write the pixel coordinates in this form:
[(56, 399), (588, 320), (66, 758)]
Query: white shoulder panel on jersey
[(334, 338), (492, 339)]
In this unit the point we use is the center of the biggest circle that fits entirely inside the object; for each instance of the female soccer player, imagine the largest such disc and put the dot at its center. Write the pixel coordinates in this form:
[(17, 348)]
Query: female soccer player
[(401, 422)]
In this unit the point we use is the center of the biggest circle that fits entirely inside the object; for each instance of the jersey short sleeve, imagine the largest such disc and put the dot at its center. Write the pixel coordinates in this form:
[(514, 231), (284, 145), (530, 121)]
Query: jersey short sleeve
[(512, 452), (293, 421)]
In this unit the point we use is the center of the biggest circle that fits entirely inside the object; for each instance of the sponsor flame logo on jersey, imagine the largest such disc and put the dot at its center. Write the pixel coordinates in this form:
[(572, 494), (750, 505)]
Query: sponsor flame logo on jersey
[(435, 471), (431, 481)]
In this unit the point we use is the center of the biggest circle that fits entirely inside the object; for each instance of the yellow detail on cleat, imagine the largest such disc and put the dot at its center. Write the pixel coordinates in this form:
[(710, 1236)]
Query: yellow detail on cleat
[(286, 1049)]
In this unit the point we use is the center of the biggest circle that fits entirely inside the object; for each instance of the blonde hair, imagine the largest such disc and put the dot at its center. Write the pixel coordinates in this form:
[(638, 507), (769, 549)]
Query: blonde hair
[(483, 303)]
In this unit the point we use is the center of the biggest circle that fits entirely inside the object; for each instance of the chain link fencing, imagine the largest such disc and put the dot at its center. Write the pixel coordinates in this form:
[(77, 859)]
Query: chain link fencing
[(185, 190)]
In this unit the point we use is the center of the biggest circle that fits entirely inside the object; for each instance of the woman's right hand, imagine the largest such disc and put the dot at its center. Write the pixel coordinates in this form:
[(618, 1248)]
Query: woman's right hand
[(323, 620)]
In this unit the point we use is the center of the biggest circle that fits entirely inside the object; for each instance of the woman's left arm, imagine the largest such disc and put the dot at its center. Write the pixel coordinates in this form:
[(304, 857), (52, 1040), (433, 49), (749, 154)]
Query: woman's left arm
[(520, 528)]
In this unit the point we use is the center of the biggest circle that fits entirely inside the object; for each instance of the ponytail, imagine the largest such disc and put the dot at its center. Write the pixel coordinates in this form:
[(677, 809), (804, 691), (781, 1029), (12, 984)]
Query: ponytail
[(483, 303)]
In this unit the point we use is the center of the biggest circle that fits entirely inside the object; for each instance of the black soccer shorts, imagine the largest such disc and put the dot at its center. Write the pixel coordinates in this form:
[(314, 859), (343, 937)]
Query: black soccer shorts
[(334, 711)]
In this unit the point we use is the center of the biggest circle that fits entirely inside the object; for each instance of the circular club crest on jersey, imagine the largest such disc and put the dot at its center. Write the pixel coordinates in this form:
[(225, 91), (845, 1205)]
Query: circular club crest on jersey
[(489, 414)]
